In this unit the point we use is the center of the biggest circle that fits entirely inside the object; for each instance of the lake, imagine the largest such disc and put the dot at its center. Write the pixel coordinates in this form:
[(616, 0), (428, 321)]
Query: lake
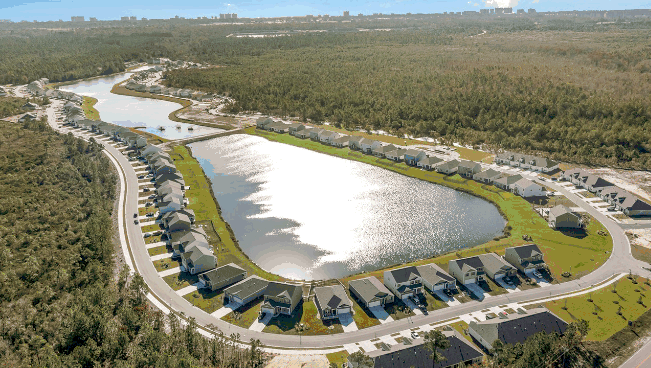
[(306, 215), (129, 111)]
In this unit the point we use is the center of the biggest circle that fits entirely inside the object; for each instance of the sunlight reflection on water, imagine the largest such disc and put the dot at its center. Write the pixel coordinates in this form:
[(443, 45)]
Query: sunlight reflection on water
[(306, 215)]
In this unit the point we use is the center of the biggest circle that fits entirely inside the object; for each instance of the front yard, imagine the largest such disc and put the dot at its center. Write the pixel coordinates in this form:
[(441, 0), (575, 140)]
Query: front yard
[(206, 300), (303, 321)]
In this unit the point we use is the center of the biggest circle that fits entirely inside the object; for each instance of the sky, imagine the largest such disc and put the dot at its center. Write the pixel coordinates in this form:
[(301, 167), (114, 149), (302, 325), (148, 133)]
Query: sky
[(43, 10)]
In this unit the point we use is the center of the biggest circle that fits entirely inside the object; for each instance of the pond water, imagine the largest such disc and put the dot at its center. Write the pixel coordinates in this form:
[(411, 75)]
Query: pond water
[(306, 215), (129, 111)]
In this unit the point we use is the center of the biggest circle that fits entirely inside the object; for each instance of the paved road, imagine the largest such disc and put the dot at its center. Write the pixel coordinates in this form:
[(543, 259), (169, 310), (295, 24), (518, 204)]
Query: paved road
[(619, 261), (640, 359)]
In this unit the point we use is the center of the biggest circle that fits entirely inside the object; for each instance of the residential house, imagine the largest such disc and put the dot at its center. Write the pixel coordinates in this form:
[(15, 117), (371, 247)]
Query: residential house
[(487, 176), (169, 203), (434, 278), (278, 127), (467, 270), (295, 127), (527, 188), (341, 142), (222, 277), (186, 211), (396, 155), (415, 354), (447, 167), (370, 292), (429, 163), (281, 298), (354, 142), (467, 168), (178, 222), (366, 145), (562, 217), (634, 206), (155, 89), (526, 258), (327, 136), (182, 241), (413, 156), (169, 178), (3, 92), (160, 155), (315, 133), (170, 187), (516, 328), (332, 301), (30, 106), (26, 117), (164, 167), (496, 267), (304, 133), (381, 151), (596, 184), (198, 259), (534, 163), (263, 122), (404, 282), (245, 291), (150, 150), (506, 182)]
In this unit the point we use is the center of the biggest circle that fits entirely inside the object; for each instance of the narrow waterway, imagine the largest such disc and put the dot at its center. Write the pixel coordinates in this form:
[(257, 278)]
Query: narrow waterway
[(129, 111), (306, 215)]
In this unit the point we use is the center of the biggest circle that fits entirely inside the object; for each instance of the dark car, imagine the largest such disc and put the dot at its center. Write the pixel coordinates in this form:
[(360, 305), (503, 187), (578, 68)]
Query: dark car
[(135, 215), (141, 177), (135, 222), (145, 190)]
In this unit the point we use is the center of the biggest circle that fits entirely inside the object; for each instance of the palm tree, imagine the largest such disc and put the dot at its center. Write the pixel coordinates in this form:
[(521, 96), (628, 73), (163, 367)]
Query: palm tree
[(360, 360), (436, 342)]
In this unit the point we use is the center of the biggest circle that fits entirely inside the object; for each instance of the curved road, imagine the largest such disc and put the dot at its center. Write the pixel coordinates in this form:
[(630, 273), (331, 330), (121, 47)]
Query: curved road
[(620, 261)]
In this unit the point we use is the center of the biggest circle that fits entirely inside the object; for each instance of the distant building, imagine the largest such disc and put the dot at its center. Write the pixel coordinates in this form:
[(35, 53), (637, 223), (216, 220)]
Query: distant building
[(93, 19), (133, 18), (77, 19), (346, 13), (124, 19), (503, 10), (521, 11), (484, 11), (532, 11)]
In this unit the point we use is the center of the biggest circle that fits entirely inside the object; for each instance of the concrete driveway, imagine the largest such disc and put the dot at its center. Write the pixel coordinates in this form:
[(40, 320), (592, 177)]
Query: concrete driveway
[(509, 288), (477, 291), (381, 314)]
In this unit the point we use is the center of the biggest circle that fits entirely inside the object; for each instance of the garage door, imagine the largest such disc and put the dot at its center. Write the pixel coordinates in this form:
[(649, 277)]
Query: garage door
[(469, 281), (498, 276), (439, 287), (376, 303)]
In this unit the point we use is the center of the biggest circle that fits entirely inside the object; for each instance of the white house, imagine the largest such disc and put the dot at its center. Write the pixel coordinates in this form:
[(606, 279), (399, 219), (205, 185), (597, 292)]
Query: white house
[(404, 282), (526, 188)]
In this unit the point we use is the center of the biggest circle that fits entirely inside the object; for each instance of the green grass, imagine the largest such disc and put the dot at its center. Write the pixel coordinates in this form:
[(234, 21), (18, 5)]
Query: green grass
[(361, 317), (165, 264), (208, 301), (142, 211), (460, 327), (307, 314), (606, 322), (472, 155), (247, 314), (398, 310), (89, 109), (205, 208), (180, 280), (432, 303), (583, 254), (338, 357), (157, 250), (151, 228), (153, 239)]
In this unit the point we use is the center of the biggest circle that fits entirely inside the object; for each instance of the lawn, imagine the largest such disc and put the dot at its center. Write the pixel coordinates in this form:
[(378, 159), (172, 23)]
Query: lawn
[(641, 253), (588, 250), (165, 264), (338, 357), (306, 314), (606, 322), (89, 109), (180, 280), (206, 300), (398, 310), (460, 327), (142, 211), (151, 228), (244, 316), (472, 155), (158, 250), (431, 302), (206, 210), (377, 137), (153, 239), (361, 317)]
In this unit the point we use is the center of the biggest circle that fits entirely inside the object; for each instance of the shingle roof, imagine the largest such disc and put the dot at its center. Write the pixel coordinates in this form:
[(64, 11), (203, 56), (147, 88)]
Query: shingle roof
[(494, 263), (488, 174), (223, 273), (516, 328), (404, 274), (413, 152), (281, 288), (474, 262), (467, 164), (433, 274), (559, 210), (369, 288), (247, 287), (508, 180), (538, 160), (332, 296), (527, 251)]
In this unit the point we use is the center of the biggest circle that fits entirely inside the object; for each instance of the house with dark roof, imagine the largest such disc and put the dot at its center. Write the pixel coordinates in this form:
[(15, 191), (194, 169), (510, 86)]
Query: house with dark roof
[(434, 278), (632, 205), (467, 270), (506, 182), (245, 291), (332, 301), (164, 167), (177, 222), (222, 277), (561, 217), (526, 258), (447, 167), (535, 163), (404, 282), (281, 298), (169, 203), (596, 184), (467, 168), (262, 122), (381, 151), (516, 328), (370, 292), (413, 156), (414, 354), (198, 259), (341, 142), (186, 211), (487, 176), (428, 163)]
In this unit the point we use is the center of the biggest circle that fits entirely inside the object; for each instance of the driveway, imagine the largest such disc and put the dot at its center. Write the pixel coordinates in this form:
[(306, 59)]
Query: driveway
[(347, 322), (259, 325), (477, 291), (381, 314), (414, 308), (509, 288), (449, 300)]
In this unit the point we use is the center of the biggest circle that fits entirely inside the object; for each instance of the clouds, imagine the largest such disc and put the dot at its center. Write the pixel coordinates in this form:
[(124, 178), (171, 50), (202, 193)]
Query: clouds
[(500, 3)]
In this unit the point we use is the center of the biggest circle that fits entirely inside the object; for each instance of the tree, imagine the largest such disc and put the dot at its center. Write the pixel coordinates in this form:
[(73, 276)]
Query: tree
[(435, 341), (360, 360)]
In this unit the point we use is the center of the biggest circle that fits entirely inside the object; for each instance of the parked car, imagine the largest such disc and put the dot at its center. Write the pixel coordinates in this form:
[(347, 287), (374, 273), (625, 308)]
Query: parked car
[(141, 177), (152, 196), (414, 334), (554, 179), (147, 235), (150, 214), (261, 316), (135, 222), (537, 274), (611, 208), (135, 215), (148, 204)]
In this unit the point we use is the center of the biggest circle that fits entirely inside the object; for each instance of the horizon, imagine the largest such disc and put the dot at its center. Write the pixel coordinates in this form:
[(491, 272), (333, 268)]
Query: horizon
[(43, 11)]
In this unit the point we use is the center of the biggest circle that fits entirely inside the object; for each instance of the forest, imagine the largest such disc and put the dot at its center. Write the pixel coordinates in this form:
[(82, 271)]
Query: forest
[(63, 303), (10, 106)]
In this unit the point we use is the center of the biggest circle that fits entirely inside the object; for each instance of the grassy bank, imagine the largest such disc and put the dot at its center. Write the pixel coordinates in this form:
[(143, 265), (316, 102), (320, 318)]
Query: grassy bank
[(89, 109), (202, 201), (581, 252), (119, 89)]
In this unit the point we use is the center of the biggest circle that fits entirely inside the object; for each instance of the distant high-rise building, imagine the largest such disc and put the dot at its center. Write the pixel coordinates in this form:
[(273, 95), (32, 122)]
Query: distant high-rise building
[(93, 19), (228, 16), (520, 11), (234, 16), (532, 11), (503, 10), (346, 13), (133, 18), (77, 19), (483, 11), (124, 19)]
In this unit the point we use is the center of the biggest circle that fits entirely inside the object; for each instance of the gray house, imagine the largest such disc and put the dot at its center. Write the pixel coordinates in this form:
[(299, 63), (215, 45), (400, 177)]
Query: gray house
[(381, 151), (281, 298), (496, 267), (222, 277), (507, 182), (341, 142), (370, 292), (262, 122), (245, 291), (487, 176), (516, 328), (428, 163), (177, 222), (562, 217), (169, 203), (182, 241), (404, 282), (396, 155), (331, 301), (467, 270), (413, 156), (447, 167), (186, 211), (468, 168), (434, 278), (526, 258), (198, 259), (354, 142)]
